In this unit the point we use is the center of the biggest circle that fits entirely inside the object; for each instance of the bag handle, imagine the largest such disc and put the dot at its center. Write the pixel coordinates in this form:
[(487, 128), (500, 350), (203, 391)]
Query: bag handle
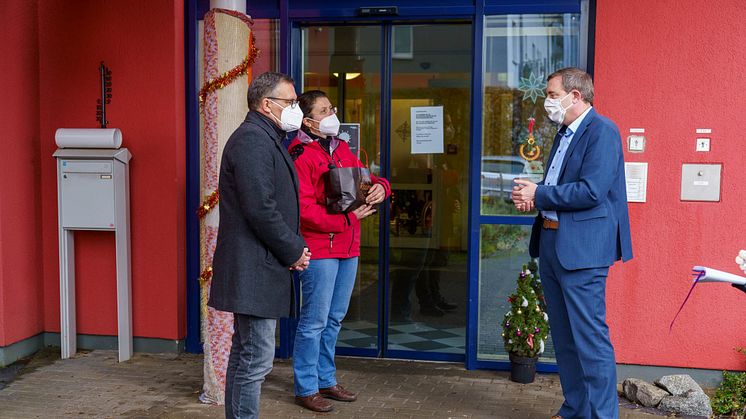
[(366, 157)]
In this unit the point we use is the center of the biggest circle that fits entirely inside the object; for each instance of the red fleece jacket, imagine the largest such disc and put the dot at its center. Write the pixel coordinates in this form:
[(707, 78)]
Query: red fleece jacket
[(327, 235)]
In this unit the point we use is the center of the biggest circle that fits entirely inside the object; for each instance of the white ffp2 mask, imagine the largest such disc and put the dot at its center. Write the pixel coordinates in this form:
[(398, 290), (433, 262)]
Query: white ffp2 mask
[(329, 125), (555, 110), (290, 118)]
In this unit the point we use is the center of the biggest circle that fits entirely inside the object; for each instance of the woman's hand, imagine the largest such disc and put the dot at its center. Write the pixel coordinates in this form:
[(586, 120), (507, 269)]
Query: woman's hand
[(364, 211), (376, 194)]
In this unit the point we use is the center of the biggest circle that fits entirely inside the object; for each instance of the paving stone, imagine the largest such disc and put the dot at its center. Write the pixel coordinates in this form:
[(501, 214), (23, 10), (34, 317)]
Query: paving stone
[(94, 384)]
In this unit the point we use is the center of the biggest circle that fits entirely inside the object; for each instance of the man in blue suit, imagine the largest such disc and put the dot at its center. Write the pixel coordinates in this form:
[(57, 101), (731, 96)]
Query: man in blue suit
[(582, 228)]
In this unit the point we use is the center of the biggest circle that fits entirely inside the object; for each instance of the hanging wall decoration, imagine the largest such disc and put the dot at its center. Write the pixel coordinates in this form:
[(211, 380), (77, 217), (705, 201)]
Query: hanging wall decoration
[(105, 99), (529, 150)]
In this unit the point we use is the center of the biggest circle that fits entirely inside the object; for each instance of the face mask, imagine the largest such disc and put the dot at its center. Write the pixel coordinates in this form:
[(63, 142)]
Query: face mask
[(290, 118), (554, 109), (328, 125)]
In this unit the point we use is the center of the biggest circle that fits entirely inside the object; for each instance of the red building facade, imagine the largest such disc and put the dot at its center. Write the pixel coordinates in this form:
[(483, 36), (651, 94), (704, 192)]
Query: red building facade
[(669, 67)]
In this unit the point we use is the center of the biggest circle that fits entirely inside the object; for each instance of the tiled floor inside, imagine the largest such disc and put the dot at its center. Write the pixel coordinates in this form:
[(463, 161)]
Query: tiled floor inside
[(406, 336), (414, 336)]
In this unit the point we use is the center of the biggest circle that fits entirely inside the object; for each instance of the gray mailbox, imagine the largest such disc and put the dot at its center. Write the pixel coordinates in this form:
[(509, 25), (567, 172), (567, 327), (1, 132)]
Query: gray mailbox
[(93, 194)]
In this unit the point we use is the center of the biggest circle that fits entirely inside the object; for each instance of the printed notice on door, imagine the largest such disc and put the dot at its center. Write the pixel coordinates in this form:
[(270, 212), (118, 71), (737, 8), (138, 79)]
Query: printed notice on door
[(637, 181), (427, 129)]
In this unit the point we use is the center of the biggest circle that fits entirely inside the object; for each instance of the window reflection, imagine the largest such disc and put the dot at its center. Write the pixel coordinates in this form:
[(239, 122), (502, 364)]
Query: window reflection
[(267, 36), (520, 51), (503, 252)]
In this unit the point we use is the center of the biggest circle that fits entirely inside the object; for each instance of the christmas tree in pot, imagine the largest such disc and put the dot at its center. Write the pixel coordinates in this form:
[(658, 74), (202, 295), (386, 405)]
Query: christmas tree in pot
[(525, 326)]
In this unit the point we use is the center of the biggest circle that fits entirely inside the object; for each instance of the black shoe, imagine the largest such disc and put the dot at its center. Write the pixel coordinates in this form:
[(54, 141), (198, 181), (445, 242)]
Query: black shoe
[(446, 306), (431, 311)]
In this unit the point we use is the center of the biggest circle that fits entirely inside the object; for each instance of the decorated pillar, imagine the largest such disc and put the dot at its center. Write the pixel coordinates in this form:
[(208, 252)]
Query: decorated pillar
[(228, 54)]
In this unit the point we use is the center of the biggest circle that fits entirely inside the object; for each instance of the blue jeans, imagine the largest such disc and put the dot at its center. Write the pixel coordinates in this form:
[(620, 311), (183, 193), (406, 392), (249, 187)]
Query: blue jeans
[(326, 288), (252, 353)]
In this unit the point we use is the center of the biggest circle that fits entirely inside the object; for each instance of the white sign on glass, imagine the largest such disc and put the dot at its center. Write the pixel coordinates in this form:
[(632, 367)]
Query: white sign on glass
[(427, 129)]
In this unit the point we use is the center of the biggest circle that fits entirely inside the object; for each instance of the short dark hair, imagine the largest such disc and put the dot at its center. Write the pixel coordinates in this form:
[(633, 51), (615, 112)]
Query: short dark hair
[(263, 86), (575, 79), (308, 99), (306, 102)]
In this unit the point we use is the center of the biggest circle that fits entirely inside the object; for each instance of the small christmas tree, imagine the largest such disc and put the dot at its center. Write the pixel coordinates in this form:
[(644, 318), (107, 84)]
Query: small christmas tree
[(525, 326), (536, 284)]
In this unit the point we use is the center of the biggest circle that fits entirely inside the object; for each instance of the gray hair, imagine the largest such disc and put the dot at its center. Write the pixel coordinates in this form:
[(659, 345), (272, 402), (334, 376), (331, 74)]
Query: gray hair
[(264, 85), (575, 79)]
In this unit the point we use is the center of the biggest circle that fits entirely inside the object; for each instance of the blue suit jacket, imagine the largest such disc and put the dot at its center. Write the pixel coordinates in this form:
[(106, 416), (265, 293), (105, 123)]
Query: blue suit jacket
[(590, 199)]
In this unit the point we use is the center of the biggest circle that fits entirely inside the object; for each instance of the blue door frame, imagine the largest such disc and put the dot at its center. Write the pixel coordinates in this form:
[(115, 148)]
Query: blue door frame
[(291, 14)]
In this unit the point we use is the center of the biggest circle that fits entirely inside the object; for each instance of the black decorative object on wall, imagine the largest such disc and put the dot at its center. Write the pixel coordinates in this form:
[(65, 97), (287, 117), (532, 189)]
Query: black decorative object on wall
[(105, 99)]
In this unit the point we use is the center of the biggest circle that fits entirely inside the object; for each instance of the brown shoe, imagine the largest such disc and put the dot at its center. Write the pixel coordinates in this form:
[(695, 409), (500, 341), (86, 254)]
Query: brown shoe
[(556, 417), (314, 402), (338, 393)]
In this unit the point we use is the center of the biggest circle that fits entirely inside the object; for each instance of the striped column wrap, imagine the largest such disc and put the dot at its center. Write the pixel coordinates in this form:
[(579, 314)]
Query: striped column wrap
[(228, 43)]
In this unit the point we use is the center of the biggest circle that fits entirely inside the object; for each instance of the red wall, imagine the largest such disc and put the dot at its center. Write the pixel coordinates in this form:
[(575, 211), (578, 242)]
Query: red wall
[(20, 235), (671, 66), (142, 42)]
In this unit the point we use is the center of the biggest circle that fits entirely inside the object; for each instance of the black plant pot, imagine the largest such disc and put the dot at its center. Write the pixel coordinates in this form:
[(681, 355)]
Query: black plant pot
[(522, 369)]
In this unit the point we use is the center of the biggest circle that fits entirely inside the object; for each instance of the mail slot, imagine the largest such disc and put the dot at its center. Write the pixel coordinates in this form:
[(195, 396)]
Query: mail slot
[(72, 166)]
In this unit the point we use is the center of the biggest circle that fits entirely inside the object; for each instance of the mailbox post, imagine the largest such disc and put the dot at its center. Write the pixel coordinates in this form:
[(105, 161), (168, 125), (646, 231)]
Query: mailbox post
[(93, 194)]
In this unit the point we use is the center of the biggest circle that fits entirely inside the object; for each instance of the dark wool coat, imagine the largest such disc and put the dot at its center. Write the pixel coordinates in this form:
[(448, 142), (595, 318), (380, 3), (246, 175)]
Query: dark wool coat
[(259, 234)]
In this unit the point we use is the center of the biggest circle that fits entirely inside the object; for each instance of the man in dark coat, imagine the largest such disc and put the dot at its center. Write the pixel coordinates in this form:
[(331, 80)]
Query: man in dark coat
[(259, 241)]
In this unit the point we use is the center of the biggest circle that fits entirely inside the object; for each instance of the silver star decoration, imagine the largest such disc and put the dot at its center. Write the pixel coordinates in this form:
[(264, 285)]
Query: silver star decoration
[(532, 87)]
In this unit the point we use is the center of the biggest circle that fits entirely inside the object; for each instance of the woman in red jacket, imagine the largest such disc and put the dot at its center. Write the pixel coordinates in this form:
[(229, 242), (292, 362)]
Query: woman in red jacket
[(334, 241)]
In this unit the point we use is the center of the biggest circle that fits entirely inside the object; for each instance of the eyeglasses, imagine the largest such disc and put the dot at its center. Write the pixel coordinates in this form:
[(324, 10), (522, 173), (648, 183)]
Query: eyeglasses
[(290, 102), (328, 111)]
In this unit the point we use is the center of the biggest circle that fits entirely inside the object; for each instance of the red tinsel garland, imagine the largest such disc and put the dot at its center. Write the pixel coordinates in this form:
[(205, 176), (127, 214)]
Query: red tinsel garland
[(206, 275), (228, 77), (208, 204)]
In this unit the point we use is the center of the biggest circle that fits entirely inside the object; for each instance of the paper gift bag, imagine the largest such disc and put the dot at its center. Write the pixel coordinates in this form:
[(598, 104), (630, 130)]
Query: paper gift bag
[(346, 188)]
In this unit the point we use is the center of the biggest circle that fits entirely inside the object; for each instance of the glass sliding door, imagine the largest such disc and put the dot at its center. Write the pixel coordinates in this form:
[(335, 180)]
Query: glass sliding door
[(409, 297), (345, 62), (430, 78)]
